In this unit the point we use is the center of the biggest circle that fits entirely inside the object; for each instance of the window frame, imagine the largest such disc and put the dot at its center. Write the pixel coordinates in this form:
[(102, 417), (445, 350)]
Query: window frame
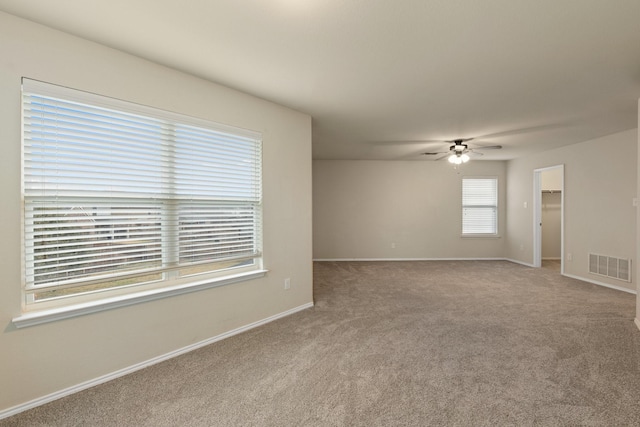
[(496, 206), (34, 312)]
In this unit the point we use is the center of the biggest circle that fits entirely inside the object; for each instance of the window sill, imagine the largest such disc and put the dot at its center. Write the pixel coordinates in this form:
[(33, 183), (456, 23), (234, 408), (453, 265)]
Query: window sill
[(51, 315), (480, 236)]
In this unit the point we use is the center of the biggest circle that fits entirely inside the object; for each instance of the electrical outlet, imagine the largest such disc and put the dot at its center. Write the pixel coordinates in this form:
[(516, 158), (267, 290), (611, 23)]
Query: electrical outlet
[(569, 256), (287, 283), (393, 246)]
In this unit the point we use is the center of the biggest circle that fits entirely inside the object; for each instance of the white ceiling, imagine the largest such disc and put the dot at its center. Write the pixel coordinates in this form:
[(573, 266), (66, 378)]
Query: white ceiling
[(379, 76)]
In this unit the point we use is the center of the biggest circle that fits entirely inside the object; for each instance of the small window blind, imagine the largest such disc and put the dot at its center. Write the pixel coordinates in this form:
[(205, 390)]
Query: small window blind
[(117, 194), (479, 206)]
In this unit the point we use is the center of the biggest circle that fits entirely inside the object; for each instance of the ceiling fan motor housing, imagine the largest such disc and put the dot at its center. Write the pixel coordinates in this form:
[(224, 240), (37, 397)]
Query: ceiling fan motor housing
[(459, 148)]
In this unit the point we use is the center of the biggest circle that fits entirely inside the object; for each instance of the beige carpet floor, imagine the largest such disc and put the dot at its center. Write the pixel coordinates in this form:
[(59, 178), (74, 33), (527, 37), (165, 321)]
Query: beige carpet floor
[(476, 343)]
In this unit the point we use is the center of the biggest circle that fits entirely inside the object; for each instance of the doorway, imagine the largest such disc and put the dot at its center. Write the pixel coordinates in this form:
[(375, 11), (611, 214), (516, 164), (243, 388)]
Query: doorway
[(548, 208)]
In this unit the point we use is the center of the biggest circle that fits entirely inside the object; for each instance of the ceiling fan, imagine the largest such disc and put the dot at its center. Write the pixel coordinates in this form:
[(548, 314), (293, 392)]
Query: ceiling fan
[(459, 151)]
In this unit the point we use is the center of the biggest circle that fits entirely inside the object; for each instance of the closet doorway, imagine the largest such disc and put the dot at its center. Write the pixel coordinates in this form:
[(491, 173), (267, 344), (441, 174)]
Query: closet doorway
[(549, 217)]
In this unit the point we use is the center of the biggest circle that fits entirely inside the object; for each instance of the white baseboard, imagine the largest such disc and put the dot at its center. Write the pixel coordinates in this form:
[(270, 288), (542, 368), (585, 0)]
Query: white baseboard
[(515, 261), (125, 371), (406, 259), (637, 322), (422, 259), (606, 285), (551, 259)]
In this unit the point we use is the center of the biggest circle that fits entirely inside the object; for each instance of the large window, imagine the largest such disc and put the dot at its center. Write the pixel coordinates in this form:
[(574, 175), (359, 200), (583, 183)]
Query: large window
[(479, 206), (119, 196)]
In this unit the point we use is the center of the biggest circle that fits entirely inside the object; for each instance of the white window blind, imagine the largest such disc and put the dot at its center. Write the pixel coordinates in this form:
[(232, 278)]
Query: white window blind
[(117, 194), (479, 206)]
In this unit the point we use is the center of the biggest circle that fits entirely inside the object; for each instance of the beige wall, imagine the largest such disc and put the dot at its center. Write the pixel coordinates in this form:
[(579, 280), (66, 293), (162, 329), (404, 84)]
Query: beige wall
[(362, 209), (44, 359), (599, 187), (551, 179)]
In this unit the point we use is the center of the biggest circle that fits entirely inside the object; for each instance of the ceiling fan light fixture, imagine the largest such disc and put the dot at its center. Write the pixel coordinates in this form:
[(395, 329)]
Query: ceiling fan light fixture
[(458, 158)]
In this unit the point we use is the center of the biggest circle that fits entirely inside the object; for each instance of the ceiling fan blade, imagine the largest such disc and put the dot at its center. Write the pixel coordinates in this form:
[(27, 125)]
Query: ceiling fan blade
[(442, 157), (488, 147), (527, 130), (409, 142), (433, 153), (459, 140)]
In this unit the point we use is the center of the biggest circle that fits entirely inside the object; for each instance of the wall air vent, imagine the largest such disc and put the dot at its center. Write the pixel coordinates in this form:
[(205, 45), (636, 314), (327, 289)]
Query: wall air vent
[(616, 268)]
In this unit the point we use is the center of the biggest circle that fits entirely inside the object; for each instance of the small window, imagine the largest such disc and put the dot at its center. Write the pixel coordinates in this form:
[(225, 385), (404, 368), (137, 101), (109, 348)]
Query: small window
[(119, 196), (479, 206)]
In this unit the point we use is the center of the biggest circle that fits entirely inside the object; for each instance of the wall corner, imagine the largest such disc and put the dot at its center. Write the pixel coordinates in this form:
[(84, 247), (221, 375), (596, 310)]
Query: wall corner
[(637, 320)]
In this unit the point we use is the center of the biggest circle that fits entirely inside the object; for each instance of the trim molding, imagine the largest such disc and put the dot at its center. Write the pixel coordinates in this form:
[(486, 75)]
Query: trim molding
[(407, 259), (606, 285), (637, 322), (53, 314), (122, 372), (515, 261)]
